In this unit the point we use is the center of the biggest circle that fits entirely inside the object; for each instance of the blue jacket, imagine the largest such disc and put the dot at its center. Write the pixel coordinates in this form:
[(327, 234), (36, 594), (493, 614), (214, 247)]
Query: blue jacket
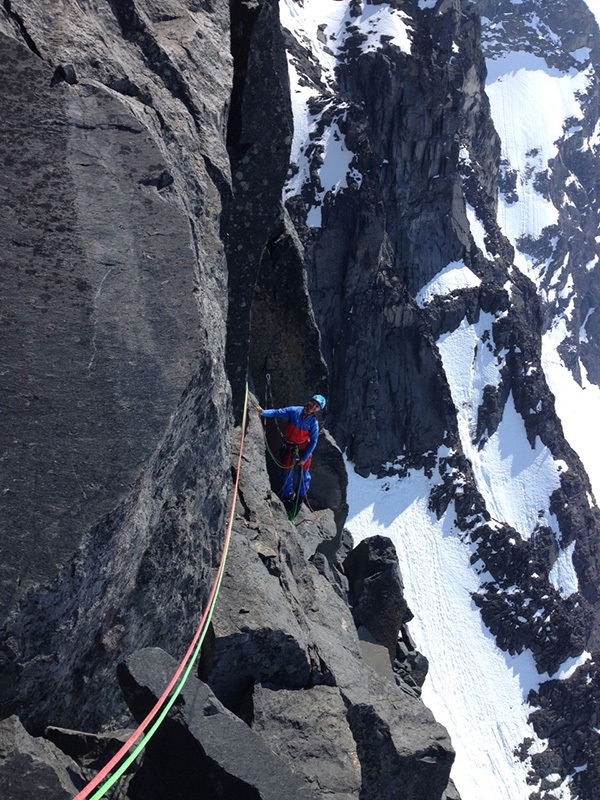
[(298, 430)]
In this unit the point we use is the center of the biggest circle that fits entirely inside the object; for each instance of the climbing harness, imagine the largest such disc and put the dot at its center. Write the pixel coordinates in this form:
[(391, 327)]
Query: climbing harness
[(120, 761)]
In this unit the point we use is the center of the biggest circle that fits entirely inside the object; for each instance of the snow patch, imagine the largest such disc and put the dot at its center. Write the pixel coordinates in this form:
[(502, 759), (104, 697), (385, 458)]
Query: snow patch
[(583, 337), (477, 230), (384, 21), (515, 479), (577, 405), (562, 575), (582, 55), (453, 277), (529, 129)]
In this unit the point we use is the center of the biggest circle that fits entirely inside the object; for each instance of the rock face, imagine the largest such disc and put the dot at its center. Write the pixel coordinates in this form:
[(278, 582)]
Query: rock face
[(293, 633), (150, 269), (142, 182), (33, 766)]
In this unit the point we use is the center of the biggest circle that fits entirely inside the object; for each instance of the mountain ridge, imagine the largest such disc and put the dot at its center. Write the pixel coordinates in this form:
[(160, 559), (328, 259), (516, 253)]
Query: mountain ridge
[(152, 267)]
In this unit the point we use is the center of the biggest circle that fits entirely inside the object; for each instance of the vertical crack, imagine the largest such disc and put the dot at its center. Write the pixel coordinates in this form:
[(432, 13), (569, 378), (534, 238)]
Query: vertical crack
[(96, 296), (19, 25)]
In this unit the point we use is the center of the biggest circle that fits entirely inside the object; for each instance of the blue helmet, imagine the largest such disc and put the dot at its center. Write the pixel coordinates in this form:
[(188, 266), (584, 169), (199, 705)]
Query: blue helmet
[(318, 398)]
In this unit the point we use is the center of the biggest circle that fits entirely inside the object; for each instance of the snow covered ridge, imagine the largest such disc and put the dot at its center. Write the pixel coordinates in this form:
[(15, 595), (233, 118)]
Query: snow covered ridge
[(328, 32)]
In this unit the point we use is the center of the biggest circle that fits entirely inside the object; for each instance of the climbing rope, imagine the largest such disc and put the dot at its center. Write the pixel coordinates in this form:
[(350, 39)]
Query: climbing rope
[(181, 674)]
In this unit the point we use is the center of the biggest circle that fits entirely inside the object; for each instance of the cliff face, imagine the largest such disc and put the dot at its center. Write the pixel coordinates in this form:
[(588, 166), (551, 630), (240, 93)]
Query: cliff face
[(427, 367), (150, 267)]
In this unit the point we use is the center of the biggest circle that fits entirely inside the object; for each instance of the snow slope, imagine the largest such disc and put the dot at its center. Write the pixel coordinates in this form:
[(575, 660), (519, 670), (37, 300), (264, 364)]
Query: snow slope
[(528, 130), (578, 406), (473, 688), (533, 106)]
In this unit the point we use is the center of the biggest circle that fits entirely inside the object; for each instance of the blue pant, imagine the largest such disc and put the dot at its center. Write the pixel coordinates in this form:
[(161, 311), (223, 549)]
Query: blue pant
[(294, 478)]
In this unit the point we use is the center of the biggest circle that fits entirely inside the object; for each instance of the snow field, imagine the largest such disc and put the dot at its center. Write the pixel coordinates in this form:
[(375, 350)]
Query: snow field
[(474, 689), (528, 130)]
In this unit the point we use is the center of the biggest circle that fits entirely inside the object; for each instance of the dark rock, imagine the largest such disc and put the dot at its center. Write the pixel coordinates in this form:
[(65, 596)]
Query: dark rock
[(202, 746), (65, 73), (79, 397), (273, 604), (259, 138), (423, 774), (308, 729), (566, 715), (89, 750), (377, 591), (141, 564), (33, 767)]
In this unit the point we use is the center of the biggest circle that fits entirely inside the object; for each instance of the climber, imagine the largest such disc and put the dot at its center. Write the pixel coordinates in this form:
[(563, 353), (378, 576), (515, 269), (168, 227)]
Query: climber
[(301, 434)]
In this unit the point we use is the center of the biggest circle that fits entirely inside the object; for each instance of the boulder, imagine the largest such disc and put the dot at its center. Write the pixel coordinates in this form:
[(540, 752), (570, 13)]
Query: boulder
[(377, 591), (202, 747), (33, 767), (308, 728)]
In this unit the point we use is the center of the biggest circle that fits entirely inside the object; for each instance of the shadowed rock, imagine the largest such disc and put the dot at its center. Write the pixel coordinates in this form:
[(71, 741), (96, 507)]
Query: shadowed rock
[(376, 590), (202, 748), (308, 728)]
